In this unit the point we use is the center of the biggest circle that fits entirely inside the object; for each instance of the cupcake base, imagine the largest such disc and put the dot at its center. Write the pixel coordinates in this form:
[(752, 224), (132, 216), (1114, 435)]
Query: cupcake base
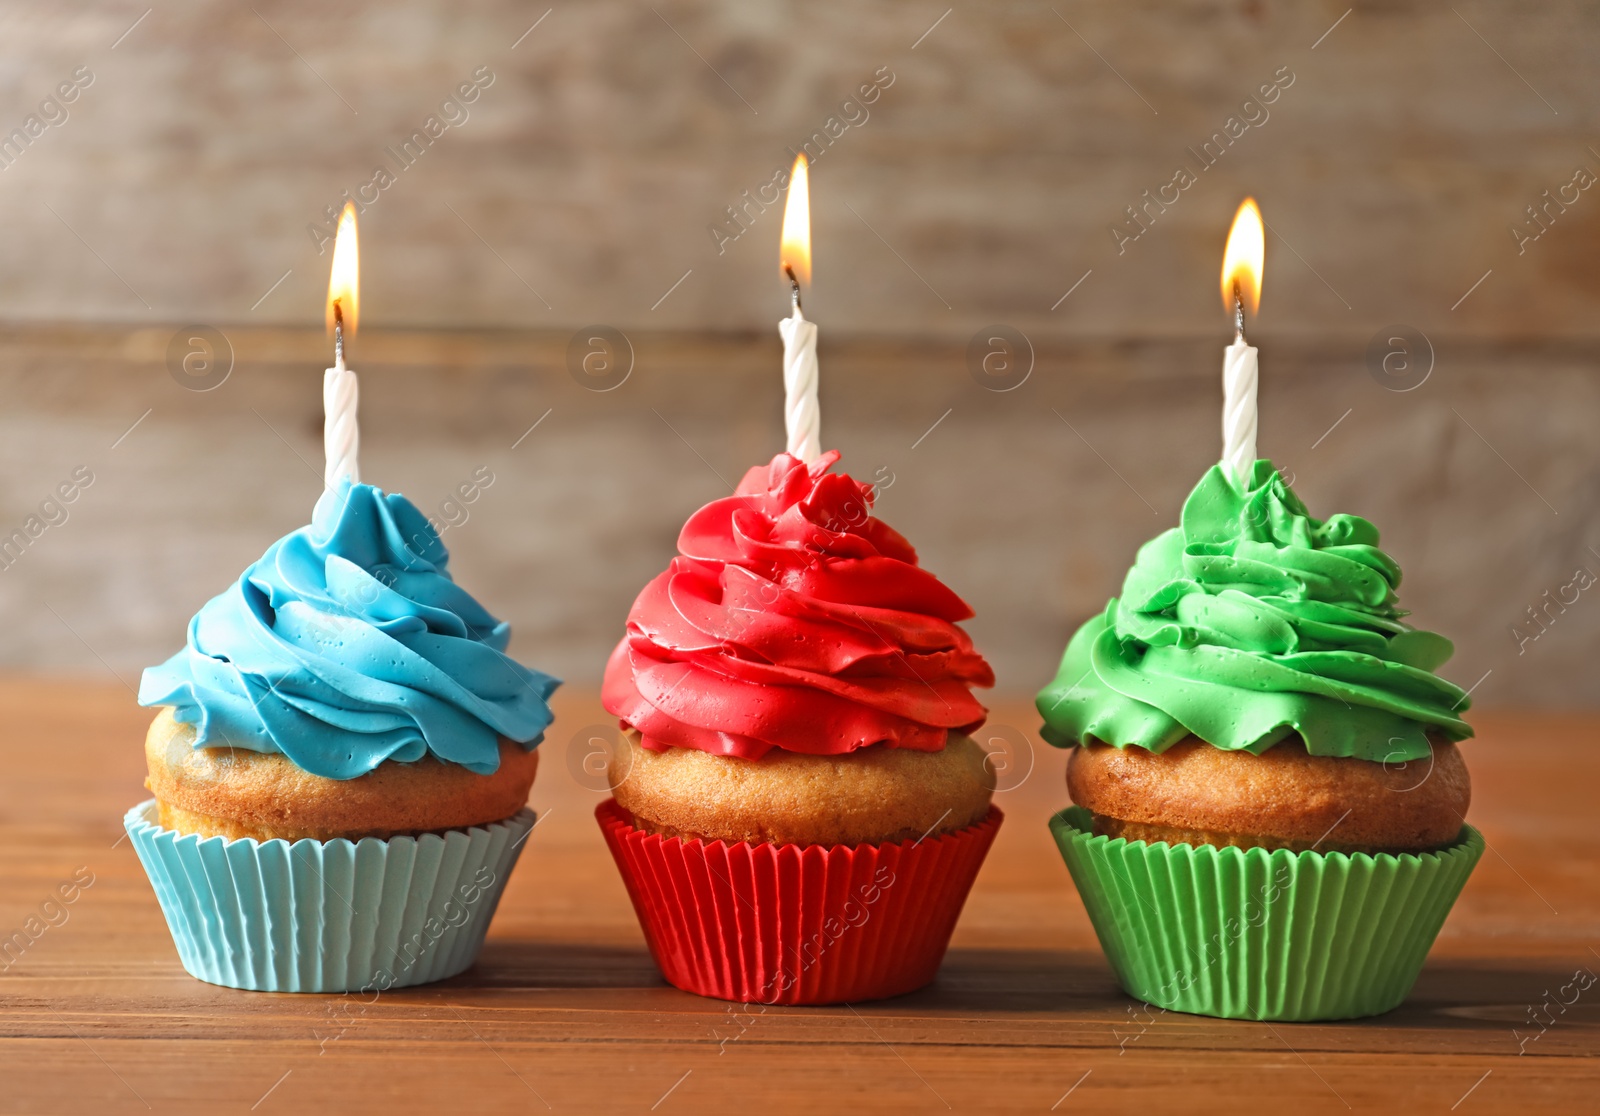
[(1263, 934), (796, 924), (327, 916)]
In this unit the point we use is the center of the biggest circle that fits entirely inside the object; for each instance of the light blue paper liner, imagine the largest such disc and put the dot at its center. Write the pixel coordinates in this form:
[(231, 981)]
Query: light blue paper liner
[(328, 916)]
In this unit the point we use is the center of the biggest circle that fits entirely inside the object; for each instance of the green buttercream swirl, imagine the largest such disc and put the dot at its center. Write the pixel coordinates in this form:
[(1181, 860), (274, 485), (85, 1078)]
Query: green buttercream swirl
[(1248, 623)]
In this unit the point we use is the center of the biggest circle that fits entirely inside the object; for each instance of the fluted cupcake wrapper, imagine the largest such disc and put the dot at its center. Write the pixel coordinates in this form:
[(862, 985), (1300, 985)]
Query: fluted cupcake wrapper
[(796, 924), (1258, 933), (327, 916)]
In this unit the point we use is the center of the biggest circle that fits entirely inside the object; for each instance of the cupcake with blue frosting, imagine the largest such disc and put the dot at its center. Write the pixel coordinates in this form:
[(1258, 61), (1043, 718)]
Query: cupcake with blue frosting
[(341, 761)]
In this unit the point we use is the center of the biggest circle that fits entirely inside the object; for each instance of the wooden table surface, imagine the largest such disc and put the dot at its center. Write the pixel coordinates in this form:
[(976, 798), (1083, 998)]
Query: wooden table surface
[(565, 1012)]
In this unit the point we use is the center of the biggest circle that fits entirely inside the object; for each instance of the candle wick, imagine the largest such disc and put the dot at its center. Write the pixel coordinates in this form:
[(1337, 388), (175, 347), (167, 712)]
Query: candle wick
[(794, 286), (338, 334), (1238, 314)]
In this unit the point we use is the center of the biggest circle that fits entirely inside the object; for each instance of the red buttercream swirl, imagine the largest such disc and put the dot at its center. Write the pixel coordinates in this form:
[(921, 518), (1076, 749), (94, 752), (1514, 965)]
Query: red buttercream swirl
[(793, 619)]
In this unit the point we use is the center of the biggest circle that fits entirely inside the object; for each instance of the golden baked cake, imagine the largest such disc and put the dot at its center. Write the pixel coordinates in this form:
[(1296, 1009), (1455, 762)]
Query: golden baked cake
[(875, 794), (235, 792), (1285, 798)]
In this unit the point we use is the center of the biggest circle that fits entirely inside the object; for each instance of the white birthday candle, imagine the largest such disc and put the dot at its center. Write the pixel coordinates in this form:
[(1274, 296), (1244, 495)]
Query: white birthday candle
[(341, 391), (802, 416), (1242, 263)]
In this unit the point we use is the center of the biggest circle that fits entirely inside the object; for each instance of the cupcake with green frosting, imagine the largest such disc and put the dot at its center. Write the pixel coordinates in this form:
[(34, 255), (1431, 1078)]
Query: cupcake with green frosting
[(1270, 805)]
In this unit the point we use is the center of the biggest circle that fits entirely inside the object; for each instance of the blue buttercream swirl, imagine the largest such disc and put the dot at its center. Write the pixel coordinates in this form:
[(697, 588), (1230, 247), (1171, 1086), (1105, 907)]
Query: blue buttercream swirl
[(348, 644)]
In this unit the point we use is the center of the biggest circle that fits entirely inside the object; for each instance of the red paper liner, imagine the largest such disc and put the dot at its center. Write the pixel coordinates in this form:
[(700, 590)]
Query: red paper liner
[(796, 924)]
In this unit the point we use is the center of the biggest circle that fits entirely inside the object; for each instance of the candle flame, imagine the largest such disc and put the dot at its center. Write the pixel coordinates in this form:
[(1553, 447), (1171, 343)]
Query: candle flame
[(344, 278), (1244, 258), (794, 249)]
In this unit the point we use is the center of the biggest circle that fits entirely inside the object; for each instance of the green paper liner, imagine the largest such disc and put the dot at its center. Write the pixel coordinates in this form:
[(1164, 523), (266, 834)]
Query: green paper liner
[(327, 916), (1258, 933)]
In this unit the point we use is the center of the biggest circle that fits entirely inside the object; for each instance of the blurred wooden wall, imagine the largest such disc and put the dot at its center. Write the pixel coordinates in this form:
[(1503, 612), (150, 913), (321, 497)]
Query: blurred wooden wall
[(1030, 503), (1000, 147), (575, 165)]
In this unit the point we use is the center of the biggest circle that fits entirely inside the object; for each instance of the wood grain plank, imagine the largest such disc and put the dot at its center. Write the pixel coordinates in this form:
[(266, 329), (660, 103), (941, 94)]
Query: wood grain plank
[(565, 1008)]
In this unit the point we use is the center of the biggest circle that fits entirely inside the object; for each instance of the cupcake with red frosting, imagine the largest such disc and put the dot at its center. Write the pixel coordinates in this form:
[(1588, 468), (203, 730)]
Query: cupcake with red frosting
[(799, 810)]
